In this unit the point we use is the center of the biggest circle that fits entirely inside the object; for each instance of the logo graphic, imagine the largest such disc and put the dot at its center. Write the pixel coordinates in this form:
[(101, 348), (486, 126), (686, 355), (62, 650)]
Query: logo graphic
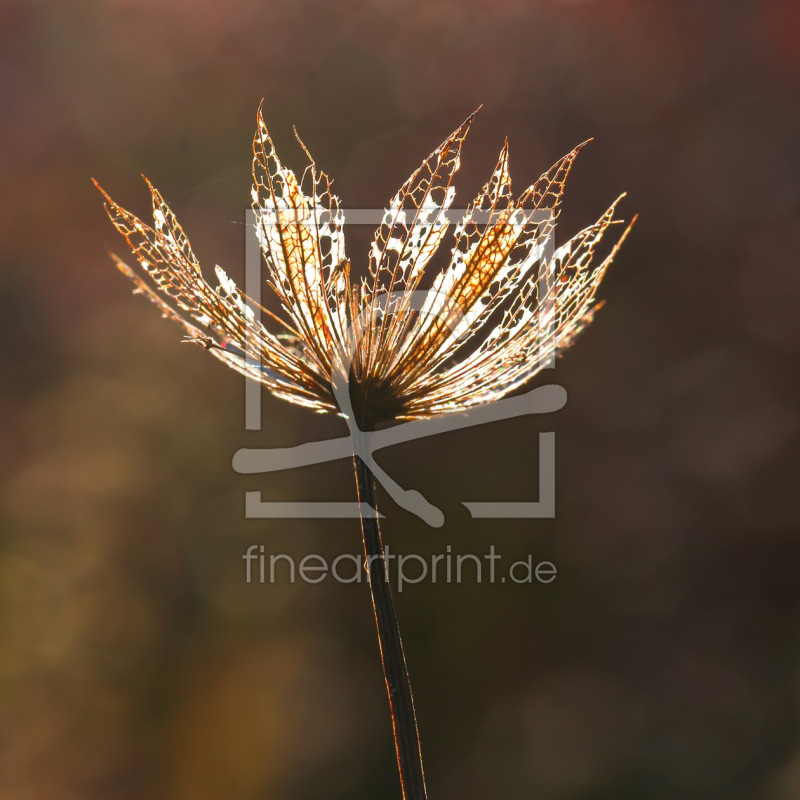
[(541, 400)]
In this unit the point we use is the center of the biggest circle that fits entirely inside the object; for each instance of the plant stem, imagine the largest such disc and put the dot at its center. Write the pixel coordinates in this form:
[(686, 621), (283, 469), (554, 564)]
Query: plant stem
[(395, 671)]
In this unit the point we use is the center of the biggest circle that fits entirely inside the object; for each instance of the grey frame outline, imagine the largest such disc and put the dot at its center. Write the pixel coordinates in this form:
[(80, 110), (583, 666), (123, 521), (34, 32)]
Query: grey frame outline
[(543, 399)]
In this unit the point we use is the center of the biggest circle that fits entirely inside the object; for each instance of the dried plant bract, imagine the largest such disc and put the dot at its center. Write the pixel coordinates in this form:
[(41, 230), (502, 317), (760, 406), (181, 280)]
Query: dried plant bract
[(501, 307)]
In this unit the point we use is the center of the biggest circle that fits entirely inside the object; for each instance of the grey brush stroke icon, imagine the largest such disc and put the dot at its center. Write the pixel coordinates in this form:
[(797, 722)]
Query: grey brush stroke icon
[(541, 400), (544, 399)]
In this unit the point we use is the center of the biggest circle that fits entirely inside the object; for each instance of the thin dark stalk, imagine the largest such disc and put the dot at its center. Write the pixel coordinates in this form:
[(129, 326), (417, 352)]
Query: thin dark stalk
[(395, 671)]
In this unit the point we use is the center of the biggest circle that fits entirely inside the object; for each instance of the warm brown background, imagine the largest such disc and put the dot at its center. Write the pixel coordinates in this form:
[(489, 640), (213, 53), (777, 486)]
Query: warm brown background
[(662, 663)]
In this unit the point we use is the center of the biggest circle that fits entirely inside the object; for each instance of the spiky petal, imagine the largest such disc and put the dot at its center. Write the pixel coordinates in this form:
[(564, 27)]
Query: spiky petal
[(495, 315)]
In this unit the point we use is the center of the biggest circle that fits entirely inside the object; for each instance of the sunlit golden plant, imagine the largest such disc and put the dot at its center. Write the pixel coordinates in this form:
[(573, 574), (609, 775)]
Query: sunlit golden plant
[(492, 318), (502, 307)]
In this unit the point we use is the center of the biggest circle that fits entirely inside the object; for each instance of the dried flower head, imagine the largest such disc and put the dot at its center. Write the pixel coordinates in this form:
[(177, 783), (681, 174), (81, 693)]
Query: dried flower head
[(501, 308)]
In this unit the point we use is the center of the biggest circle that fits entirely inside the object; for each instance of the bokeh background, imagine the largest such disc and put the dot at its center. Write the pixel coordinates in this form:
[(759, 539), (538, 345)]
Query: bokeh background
[(662, 663)]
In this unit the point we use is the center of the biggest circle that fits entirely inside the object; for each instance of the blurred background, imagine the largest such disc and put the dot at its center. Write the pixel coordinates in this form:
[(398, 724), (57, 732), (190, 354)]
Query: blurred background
[(135, 662)]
